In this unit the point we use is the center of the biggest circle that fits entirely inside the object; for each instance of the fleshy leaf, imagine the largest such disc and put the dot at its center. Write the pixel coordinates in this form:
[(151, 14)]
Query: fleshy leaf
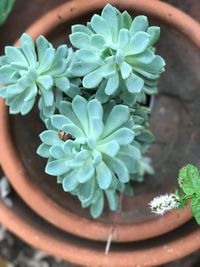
[(43, 151), (56, 167), (116, 118), (97, 207), (139, 24), (49, 137), (113, 200), (104, 176), (79, 39), (86, 191)]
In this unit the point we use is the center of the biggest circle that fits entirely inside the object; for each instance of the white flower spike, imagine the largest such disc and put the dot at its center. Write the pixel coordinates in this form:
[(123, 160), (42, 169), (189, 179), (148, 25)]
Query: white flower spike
[(164, 203)]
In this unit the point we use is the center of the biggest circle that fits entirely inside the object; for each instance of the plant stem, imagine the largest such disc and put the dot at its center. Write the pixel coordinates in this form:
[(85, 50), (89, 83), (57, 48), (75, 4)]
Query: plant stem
[(116, 218)]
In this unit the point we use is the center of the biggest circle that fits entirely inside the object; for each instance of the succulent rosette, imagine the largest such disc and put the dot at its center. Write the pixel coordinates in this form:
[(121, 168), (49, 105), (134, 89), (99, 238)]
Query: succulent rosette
[(91, 101), (91, 150), (29, 70), (115, 56)]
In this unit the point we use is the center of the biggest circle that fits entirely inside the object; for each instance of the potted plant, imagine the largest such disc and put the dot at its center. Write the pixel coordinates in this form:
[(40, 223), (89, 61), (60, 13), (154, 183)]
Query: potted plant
[(94, 144), (38, 192)]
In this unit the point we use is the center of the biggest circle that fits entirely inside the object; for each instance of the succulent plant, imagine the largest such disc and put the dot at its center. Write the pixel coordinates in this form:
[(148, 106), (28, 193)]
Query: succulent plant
[(96, 142), (29, 70), (91, 150), (115, 56)]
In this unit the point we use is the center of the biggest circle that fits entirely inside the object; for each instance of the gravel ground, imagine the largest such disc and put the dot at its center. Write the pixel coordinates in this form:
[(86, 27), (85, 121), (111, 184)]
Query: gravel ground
[(15, 253)]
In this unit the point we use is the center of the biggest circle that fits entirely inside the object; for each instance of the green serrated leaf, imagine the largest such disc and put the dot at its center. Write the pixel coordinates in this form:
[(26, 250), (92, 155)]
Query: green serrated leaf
[(195, 206), (189, 179)]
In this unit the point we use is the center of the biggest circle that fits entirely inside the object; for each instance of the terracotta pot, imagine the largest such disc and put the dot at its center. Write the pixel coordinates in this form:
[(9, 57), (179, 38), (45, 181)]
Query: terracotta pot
[(19, 136), (190, 7), (38, 233)]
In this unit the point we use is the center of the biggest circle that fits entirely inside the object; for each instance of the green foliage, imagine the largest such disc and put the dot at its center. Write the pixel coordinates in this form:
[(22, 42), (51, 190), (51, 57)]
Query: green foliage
[(115, 56), (182, 199), (189, 182), (32, 70), (195, 206), (5, 9), (100, 155), (94, 143)]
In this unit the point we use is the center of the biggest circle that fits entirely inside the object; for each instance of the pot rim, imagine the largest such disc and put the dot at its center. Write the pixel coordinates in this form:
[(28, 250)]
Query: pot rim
[(14, 169), (39, 234)]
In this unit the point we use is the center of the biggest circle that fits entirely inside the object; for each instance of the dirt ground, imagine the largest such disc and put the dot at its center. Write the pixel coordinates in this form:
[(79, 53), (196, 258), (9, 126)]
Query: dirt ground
[(15, 253)]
